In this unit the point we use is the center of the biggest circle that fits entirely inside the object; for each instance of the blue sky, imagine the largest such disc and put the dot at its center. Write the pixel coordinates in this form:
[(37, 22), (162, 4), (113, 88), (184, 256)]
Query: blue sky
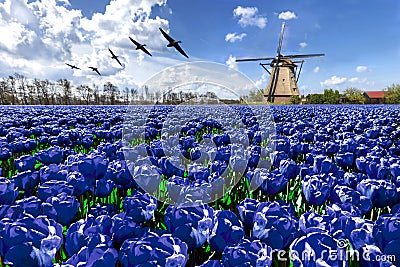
[(361, 39)]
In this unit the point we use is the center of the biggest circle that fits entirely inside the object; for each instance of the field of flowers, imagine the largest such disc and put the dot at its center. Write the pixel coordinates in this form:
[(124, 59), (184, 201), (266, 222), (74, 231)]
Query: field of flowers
[(191, 186)]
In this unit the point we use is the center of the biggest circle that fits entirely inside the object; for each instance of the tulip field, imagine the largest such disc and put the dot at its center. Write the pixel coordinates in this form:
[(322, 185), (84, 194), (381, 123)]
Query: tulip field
[(207, 185)]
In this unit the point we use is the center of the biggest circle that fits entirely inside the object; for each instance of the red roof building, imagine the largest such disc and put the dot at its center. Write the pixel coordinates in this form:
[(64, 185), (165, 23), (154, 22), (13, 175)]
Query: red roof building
[(374, 97)]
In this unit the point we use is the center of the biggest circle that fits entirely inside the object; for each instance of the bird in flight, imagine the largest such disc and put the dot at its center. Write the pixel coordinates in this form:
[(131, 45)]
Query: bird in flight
[(95, 70), (140, 46), (173, 43), (72, 66), (115, 57)]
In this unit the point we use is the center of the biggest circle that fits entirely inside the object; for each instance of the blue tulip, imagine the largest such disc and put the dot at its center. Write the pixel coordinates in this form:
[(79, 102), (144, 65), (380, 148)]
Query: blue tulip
[(30, 205), (53, 172), (53, 188), (147, 177), (123, 227), (25, 163), (228, 230), (317, 188), (312, 250), (62, 208), (121, 173), (79, 183), (26, 181), (162, 250), (171, 166), (5, 153), (345, 159), (246, 210), (289, 169), (247, 253), (140, 207), (311, 222), (271, 182), (8, 191), (274, 225), (54, 155), (103, 187), (381, 192)]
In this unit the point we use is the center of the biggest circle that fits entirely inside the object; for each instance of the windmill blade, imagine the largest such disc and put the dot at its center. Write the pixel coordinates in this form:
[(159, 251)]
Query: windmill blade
[(254, 59), (298, 74), (304, 56), (263, 65), (281, 39), (274, 81)]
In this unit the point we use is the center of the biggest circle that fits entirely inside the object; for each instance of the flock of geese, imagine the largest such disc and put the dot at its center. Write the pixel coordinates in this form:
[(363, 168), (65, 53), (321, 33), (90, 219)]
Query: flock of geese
[(172, 43)]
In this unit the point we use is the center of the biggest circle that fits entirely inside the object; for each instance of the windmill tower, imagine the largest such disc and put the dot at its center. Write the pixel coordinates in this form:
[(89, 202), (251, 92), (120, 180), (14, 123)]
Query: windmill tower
[(282, 83)]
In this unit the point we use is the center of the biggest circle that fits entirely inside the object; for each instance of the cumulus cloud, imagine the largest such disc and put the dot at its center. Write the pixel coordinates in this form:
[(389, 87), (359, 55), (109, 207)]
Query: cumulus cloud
[(233, 37), (334, 80), (303, 45), (362, 69), (287, 15), (39, 30), (248, 17), (262, 80), (39, 36), (316, 69), (231, 62)]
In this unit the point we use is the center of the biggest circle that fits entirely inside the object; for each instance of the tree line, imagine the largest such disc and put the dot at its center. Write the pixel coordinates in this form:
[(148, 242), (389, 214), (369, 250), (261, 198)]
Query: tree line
[(350, 95), (353, 95), (18, 90)]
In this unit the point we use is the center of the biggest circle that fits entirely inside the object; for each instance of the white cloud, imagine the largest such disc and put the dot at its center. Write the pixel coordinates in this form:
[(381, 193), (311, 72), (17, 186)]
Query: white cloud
[(334, 80), (362, 69), (262, 80), (303, 45), (316, 69), (233, 37), (358, 80), (287, 15), (39, 36), (231, 62), (248, 17), (44, 27)]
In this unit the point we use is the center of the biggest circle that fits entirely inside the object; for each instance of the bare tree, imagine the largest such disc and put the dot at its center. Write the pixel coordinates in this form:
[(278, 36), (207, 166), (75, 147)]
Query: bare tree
[(157, 95), (96, 94), (4, 92), (85, 93), (134, 93), (14, 98), (31, 94), (54, 94), (21, 87), (111, 91), (66, 90), (126, 96)]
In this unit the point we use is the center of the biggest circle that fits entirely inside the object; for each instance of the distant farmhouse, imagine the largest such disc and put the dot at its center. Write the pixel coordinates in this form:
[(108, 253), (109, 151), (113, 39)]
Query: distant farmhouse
[(374, 97)]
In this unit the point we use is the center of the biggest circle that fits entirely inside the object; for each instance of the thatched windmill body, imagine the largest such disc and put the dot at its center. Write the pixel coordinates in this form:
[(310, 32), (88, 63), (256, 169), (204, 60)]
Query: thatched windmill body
[(284, 73)]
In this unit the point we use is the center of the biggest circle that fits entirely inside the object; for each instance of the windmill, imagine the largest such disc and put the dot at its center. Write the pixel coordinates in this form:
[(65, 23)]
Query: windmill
[(284, 75)]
